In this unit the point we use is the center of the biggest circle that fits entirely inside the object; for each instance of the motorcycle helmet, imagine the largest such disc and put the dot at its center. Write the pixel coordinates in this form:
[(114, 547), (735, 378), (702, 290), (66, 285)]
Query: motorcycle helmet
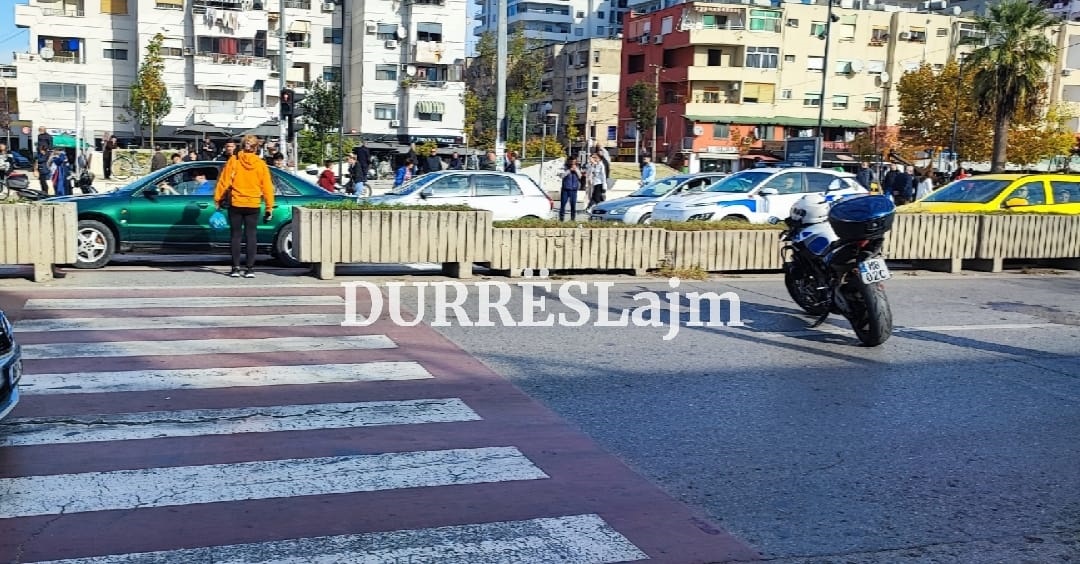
[(811, 209)]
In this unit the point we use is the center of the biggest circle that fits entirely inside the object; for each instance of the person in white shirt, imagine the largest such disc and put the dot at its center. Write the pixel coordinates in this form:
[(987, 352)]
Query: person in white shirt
[(925, 187), (597, 181)]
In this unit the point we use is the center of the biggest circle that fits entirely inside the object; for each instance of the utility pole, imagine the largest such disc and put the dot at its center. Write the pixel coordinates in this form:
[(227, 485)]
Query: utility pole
[(501, 53), (524, 126), (341, 96), (656, 103), (956, 117), (824, 75), (283, 127)]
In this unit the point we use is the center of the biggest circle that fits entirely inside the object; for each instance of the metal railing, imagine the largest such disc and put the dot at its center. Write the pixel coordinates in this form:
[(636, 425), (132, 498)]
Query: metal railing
[(224, 59), (63, 12)]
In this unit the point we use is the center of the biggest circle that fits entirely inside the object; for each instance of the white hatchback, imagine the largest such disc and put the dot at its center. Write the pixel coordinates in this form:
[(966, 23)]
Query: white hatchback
[(756, 194), (506, 195)]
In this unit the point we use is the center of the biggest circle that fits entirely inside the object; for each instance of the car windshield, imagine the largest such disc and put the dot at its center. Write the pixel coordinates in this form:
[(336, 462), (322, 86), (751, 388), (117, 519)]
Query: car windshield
[(740, 182), (412, 185), (656, 189), (969, 190)]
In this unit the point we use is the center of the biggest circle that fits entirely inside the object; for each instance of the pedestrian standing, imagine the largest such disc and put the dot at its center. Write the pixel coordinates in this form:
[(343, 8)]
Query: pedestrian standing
[(244, 185), (596, 175), (43, 168), (926, 186), (61, 171), (404, 174), (572, 178), (363, 161), (648, 171), (107, 155)]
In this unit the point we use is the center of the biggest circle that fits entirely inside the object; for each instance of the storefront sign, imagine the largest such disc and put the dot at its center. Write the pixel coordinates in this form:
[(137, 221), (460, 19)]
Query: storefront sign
[(721, 149), (803, 151)]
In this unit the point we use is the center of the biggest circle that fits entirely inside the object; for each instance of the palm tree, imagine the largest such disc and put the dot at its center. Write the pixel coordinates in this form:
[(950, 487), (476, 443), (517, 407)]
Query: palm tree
[(1010, 70)]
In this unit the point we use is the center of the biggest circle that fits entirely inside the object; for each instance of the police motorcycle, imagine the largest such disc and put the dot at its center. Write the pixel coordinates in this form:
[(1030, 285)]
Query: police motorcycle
[(15, 183), (833, 261)]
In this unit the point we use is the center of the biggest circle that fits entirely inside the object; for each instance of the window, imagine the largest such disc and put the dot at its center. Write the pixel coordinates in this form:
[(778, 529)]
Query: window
[(665, 25), (839, 102), (428, 116), (453, 186), (1033, 192), (114, 7), (792, 22), (765, 20), (579, 31), (331, 74), (847, 28), (871, 103), (715, 57), (596, 86), (942, 32), (787, 183), (386, 32), (815, 63), (721, 131), (758, 93), (119, 97), (283, 187), (710, 95), (971, 35), (332, 35), (496, 185), (669, 58), (1065, 192), (875, 67), (785, 94), (429, 32), (763, 57), (789, 58), (61, 91), (917, 35), (817, 29), (842, 67), (385, 111), (635, 64), (612, 132), (811, 99), (115, 51), (596, 56), (819, 181), (879, 35), (386, 72), (600, 30)]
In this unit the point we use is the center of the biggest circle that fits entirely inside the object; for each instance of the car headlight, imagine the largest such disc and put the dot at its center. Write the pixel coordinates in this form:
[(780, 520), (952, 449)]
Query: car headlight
[(618, 211)]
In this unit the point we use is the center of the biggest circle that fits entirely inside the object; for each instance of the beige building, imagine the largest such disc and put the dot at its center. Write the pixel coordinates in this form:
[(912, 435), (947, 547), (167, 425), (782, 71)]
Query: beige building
[(583, 75)]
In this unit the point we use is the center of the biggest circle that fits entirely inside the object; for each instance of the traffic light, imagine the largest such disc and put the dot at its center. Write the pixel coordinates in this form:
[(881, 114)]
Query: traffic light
[(288, 103)]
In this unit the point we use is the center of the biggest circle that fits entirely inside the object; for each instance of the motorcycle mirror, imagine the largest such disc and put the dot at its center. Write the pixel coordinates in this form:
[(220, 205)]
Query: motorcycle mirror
[(774, 220)]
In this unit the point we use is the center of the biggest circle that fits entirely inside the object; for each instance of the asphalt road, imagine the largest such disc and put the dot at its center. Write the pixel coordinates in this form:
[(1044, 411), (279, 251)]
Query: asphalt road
[(955, 441)]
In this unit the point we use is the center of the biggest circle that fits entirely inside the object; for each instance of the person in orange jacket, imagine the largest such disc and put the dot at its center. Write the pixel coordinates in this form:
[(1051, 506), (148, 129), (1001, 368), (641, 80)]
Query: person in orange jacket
[(246, 178)]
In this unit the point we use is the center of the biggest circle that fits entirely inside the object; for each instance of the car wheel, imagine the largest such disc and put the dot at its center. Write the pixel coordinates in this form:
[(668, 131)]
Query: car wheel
[(645, 219), (284, 250), (95, 244)]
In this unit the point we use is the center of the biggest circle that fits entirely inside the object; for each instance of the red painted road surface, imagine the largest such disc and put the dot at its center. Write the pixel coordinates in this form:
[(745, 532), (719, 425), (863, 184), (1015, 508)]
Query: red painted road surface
[(580, 479)]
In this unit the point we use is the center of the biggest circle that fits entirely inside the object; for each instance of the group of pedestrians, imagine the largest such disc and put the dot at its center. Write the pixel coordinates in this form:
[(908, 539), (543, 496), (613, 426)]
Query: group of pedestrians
[(592, 178), (904, 184)]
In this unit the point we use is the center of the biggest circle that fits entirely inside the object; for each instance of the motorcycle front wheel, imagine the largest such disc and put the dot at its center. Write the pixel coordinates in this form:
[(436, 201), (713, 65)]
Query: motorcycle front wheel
[(805, 290), (870, 314)]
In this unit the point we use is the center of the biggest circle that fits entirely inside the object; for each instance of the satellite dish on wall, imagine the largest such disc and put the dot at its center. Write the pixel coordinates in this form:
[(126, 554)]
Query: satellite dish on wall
[(884, 78), (46, 53)]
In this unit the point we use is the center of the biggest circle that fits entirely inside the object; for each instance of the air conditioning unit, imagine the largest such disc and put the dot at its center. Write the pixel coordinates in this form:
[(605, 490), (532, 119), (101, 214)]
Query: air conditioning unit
[(395, 123), (595, 93), (328, 6), (904, 36), (644, 40), (391, 44), (658, 39), (372, 28)]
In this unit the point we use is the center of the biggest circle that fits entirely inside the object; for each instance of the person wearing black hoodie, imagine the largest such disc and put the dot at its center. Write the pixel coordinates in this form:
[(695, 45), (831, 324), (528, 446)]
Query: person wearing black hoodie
[(431, 163)]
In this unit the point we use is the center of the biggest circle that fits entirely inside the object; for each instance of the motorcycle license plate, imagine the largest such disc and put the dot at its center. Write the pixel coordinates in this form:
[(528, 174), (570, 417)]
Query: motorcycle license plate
[(874, 270)]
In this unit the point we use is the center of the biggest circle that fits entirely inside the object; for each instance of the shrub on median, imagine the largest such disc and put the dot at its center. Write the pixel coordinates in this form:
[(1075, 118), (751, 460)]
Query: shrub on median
[(366, 206)]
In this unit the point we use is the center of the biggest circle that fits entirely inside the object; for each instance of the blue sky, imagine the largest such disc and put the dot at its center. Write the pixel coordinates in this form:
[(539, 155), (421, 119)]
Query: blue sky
[(11, 38)]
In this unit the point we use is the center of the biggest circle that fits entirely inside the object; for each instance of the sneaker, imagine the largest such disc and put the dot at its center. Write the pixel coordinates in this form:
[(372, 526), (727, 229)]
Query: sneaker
[(249, 273), (235, 273)]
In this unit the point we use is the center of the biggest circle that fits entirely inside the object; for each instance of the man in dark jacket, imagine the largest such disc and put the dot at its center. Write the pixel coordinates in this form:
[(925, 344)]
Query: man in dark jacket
[(363, 161), (902, 186), (864, 177), (44, 139), (431, 163)]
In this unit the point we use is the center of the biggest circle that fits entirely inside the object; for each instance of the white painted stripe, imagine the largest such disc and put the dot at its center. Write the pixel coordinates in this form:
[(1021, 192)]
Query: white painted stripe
[(202, 422), (205, 347), (215, 302), (573, 539), (184, 485), (179, 322), (207, 378)]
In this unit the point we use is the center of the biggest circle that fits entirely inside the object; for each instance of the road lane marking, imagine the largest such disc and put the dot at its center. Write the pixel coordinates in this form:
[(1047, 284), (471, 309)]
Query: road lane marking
[(208, 378), (178, 322), (202, 422), (572, 539), (205, 347), (166, 487), (181, 302)]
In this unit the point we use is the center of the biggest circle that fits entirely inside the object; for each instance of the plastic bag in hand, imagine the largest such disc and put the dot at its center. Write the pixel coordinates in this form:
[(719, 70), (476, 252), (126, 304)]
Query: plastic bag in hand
[(218, 220)]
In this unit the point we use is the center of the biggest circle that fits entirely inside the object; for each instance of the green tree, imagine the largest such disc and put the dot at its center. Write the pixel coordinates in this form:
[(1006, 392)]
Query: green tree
[(929, 100), (641, 97), (322, 111), (524, 66), (314, 150), (149, 101), (571, 127), (1011, 67)]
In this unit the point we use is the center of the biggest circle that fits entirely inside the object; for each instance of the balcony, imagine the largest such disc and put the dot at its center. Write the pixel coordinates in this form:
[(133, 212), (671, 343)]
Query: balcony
[(9, 71), (733, 109), (218, 71), (232, 114), (69, 58), (430, 52), (731, 74)]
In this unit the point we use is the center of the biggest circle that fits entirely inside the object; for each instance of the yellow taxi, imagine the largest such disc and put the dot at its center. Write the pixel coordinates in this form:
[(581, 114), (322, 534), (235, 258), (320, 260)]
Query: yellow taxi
[(1035, 193)]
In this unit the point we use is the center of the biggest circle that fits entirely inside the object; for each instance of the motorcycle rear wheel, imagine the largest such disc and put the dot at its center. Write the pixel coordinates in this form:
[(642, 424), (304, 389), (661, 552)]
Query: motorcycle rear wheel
[(870, 314), (802, 287)]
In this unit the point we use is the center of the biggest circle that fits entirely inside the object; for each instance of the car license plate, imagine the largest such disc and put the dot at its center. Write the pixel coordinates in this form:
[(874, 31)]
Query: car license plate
[(874, 270)]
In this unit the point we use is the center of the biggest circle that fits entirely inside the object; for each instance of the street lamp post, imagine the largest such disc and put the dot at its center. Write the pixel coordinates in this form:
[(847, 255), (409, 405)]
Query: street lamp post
[(956, 116), (824, 74)]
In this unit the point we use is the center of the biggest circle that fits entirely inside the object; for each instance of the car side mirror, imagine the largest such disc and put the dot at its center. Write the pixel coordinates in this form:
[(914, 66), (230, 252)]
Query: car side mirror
[(151, 192), (769, 192), (1014, 202), (774, 220), (425, 193)]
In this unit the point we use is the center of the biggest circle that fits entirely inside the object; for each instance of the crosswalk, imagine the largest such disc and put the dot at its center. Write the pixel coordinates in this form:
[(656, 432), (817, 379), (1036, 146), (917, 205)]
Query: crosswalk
[(250, 426)]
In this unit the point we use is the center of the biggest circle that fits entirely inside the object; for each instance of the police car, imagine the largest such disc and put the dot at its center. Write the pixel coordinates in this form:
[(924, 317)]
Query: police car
[(10, 367)]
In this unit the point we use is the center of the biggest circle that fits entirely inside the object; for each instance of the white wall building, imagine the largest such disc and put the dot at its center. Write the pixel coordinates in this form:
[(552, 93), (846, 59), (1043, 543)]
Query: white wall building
[(553, 21), (223, 59), (405, 79)]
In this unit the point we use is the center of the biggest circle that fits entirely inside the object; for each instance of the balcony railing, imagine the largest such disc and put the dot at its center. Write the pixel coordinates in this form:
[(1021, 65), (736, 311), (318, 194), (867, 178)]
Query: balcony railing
[(63, 12), (57, 58), (298, 4), (223, 59), (303, 44), (9, 71)]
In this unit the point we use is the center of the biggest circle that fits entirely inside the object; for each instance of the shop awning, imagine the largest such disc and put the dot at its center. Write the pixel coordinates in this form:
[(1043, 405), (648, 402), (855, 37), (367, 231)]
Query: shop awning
[(779, 120), (430, 107)]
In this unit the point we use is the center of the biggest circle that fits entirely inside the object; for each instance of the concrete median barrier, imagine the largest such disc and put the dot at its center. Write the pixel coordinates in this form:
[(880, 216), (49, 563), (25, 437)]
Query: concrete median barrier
[(38, 234)]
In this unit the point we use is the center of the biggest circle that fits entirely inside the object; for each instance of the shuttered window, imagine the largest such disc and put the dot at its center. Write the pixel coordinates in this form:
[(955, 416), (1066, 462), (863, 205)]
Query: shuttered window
[(114, 7), (758, 93)]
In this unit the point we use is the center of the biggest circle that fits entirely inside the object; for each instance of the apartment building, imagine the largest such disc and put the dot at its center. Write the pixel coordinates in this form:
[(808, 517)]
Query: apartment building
[(735, 80), (551, 21), (406, 72), (583, 75), (223, 63)]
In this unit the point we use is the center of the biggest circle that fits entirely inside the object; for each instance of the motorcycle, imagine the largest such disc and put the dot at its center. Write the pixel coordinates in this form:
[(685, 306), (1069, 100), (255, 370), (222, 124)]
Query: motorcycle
[(833, 262)]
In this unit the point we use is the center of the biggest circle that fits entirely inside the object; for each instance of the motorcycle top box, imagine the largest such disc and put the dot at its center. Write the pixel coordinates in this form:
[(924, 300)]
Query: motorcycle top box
[(862, 217)]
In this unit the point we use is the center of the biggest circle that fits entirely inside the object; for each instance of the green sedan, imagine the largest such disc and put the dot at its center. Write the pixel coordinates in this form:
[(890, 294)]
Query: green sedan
[(169, 211)]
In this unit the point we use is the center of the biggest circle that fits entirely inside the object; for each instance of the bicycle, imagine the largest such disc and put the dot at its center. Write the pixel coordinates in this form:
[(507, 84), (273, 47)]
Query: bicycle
[(127, 165)]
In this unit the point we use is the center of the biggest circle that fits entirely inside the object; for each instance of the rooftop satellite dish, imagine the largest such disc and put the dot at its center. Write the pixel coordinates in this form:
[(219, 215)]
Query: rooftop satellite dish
[(956, 10), (884, 78), (856, 65), (47, 53)]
